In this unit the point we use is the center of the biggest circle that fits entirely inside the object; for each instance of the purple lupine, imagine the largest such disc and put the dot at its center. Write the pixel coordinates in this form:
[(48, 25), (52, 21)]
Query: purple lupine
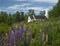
[(21, 31), (0, 38), (25, 43), (17, 32), (11, 38), (25, 33), (17, 36), (6, 42)]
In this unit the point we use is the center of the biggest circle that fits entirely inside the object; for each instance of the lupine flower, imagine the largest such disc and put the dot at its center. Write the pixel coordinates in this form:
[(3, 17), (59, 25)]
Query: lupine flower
[(21, 31), (0, 38), (11, 38), (25, 44), (5, 41), (18, 34), (22, 34), (17, 37)]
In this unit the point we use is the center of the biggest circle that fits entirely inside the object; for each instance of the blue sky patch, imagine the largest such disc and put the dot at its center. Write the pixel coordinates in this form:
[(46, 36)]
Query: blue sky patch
[(11, 6)]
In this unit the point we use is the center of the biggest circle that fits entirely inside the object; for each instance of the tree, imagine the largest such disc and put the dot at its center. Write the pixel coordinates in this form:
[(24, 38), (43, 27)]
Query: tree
[(42, 13), (22, 16), (17, 16), (3, 17), (55, 12), (31, 12), (10, 19)]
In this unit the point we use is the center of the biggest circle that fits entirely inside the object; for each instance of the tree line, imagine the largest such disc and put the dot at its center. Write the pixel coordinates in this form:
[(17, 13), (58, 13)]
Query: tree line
[(21, 16), (55, 12), (16, 17)]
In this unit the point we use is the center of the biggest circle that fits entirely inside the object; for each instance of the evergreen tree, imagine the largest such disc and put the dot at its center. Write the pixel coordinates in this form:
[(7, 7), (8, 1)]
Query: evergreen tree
[(17, 16), (55, 12)]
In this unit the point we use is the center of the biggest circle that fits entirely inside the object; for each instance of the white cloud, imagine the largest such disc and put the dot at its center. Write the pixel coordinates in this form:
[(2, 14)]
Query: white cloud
[(20, 0), (49, 1), (2, 10), (38, 8), (18, 6), (14, 7)]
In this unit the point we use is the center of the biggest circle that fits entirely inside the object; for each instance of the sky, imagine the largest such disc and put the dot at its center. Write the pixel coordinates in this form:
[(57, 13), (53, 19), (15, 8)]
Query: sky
[(11, 6)]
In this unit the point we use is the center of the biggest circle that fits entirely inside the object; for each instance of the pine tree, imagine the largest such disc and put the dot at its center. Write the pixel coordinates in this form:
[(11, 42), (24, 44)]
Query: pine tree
[(55, 12)]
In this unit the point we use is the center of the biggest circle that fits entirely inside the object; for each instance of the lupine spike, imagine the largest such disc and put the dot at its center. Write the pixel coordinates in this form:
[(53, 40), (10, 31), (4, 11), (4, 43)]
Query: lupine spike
[(0, 38), (17, 36), (6, 40), (11, 38), (21, 31), (25, 37)]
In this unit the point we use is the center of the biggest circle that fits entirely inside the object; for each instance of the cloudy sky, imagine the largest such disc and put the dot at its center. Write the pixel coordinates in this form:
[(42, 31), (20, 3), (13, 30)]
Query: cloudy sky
[(11, 6)]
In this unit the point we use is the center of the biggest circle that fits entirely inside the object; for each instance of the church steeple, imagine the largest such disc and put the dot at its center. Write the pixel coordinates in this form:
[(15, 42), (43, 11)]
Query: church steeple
[(46, 12)]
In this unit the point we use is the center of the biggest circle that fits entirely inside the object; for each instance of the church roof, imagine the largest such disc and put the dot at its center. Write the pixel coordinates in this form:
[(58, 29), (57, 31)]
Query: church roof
[(31, 17), (38, 17)]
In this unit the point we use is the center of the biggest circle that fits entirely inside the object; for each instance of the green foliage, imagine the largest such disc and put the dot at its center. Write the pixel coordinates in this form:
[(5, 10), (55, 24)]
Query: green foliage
[(3, 17), (11, 18), (52, 25), (55, 12), (53, 31), (31, 12), (42, 13), (4, 27), (17, 16)]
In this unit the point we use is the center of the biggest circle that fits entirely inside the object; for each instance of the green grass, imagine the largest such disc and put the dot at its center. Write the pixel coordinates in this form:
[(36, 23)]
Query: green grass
[(4, 27), (36, 25), (53, 32)]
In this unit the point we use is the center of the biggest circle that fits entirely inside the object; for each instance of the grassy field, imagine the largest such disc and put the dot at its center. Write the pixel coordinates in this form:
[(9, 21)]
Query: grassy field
[(50, 27), (36, 25)]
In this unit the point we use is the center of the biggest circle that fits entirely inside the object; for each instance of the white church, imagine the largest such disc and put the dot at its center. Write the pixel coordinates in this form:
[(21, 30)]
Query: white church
[(34, 18)]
